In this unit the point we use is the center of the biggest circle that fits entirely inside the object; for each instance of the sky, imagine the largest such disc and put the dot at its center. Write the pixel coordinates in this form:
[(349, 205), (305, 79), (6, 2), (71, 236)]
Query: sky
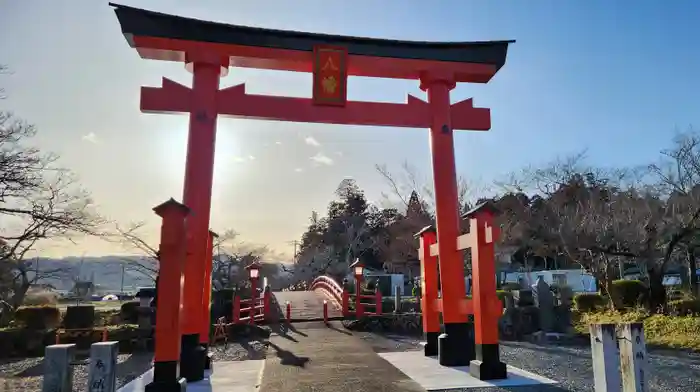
[(616, 79)]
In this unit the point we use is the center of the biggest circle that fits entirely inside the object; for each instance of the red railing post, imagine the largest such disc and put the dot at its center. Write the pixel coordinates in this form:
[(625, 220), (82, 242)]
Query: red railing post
[(325, 311), (236, 315), (289, 311), (346, 302), (378, 298)]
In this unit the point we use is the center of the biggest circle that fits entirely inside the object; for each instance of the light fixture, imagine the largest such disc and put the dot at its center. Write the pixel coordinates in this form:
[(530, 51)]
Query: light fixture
[(253, 270), (358, 267)]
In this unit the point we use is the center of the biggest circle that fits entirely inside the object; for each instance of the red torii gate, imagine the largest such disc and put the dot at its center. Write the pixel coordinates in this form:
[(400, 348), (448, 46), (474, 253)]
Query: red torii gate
[(208, 49)]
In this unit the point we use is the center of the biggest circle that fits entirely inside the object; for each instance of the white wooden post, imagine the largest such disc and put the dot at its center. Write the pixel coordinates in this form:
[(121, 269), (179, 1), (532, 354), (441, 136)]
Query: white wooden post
[(606, 372), (58, 368), (634, 362), (102, 375)]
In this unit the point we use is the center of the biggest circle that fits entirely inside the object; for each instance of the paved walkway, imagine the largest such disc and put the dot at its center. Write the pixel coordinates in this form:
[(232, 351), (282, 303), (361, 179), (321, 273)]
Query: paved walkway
[(236, 376), (313, 357), (306, 305)]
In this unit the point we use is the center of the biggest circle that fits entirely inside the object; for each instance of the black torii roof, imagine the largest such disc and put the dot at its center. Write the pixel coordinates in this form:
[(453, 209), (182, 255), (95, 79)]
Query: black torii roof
[(140, 22)]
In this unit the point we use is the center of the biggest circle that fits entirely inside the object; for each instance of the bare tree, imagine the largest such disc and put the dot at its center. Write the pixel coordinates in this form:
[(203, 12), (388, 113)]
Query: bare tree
[(409, 180), (676, 230), (38, 201), (147, 265)]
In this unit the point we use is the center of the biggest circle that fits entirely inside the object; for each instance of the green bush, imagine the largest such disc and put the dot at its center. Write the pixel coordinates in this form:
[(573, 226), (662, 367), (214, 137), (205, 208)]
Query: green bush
[(628, 293), (129, 312), (588, 302), (674, 295), (502, 294), (510, 286), (38, 317), (684, 307), (107, 317)]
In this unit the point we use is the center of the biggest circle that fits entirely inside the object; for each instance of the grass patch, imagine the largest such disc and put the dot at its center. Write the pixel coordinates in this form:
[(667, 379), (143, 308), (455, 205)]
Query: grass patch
[(659, 330)]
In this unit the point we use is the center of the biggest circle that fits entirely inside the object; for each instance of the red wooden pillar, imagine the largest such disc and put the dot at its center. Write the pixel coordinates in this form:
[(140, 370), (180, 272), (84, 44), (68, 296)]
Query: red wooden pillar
[(429, 291), (451, 344), (254, 300), (166, 369), (206, 300), (359, 312), (487, 307), (267, 299), (199, 172)]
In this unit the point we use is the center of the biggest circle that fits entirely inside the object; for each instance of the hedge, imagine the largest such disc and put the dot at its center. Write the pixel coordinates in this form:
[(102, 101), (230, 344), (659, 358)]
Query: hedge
[(38, 317), (129, 312), (628, 293), (79, 317), (684, 307), (588, 302)]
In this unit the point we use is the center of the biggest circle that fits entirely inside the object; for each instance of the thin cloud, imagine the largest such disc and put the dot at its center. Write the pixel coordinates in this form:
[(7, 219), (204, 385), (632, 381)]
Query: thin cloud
[(251, 158), (238, 159), (312, 142), (91, 138), (322, 159), (278, 143), (298, 170)]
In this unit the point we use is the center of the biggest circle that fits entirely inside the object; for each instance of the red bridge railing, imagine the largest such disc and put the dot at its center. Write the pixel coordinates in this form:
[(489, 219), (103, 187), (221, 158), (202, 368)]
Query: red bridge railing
[(341, 297), (254, 309)]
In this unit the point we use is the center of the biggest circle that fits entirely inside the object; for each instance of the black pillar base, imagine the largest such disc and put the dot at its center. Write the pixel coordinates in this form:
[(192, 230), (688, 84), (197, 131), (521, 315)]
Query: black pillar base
[(487, 365), (166, 378), (431, 344), (456, 345), (192, 358)]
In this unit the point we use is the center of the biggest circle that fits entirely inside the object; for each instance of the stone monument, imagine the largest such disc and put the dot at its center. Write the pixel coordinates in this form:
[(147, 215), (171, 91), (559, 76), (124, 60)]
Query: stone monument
[(58, 369), (102, 374), (544, 300)]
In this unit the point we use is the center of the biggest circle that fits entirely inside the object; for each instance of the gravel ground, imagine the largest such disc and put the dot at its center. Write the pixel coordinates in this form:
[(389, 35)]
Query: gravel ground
[(569, 365), (26, 375)]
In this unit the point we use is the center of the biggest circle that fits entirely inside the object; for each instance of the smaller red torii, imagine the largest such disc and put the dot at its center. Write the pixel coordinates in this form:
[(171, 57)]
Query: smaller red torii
[(484, 304)]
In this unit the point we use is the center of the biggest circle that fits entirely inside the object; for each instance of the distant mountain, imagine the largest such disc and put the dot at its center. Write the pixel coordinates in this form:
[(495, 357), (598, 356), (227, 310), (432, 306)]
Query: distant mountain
[(106, 272)]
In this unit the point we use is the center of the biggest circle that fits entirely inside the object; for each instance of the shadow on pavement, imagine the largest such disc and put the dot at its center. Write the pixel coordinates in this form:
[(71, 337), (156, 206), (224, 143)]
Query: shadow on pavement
[(288, 358)]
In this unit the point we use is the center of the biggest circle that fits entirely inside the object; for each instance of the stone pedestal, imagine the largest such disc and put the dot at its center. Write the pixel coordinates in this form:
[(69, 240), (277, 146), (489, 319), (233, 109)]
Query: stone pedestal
[(58, 371), (102, 374)]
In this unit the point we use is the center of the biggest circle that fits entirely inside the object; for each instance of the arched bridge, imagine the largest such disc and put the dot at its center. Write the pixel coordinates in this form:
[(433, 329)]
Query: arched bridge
[(326, 300)]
